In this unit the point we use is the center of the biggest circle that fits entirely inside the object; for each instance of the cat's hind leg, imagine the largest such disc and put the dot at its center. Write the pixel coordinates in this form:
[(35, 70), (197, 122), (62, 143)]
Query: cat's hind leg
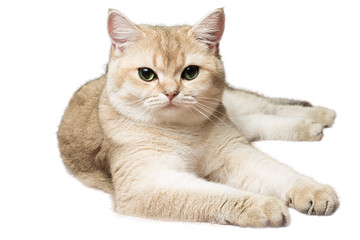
[(263, 118), (270, 127), (239, 102), (320, 115)]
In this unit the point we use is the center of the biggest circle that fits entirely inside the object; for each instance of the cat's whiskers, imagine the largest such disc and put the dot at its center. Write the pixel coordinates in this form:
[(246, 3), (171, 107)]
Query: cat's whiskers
[(137, 102), (198, 110), (209, 99), (139, 114), (208, 102), (197, 120), (128, 113), (211, 111), (135, 121), (155, 102)]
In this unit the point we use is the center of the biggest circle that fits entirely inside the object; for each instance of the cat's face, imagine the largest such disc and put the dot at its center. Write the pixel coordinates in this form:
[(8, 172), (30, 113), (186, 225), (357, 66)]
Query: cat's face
[(165, 74)]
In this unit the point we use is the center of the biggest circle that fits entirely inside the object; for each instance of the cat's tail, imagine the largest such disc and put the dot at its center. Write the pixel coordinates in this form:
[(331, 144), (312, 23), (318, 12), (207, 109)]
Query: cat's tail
[(287, 101)]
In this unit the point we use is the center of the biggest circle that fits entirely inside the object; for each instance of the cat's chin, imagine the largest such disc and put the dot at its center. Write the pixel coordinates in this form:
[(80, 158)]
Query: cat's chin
[(171, 111), (177, 114), (172, 114)]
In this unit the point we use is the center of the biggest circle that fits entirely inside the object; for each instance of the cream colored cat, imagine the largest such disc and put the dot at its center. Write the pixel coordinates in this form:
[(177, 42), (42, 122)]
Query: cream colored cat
[(163, 133)]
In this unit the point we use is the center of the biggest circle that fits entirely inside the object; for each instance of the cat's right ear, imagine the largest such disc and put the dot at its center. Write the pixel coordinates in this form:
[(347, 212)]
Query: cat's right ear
[(121, 30), (210, 29)]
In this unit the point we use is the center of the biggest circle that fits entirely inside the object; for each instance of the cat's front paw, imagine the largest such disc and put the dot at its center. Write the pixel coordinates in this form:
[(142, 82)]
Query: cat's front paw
[(309, 130), (260, 211), (323, 116), (313, 199)]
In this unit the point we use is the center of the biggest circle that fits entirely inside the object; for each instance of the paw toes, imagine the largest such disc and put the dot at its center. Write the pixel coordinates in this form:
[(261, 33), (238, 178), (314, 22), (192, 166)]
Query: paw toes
[(280, 217), (309, 130), (314, 200), (324, 116), (316, 131), (254, 218), (330, 118), (264, 212), (277, 213), (331, 207)]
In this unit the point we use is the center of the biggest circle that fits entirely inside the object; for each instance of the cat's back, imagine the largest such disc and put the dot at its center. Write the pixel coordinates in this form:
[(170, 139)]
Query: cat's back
[(81, 140)]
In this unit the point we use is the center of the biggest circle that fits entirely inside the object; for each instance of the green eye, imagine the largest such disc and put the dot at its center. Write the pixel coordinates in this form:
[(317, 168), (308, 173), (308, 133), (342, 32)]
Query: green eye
[(147, 74), (190, 72)]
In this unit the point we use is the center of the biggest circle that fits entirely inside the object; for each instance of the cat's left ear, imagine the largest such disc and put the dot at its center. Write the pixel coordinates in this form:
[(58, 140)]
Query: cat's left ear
[(210, 29), (121, 30)]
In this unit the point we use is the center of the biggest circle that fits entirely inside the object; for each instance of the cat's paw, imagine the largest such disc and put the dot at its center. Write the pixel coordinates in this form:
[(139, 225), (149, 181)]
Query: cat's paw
[(260, 211), (313, 199), (309, 130), (322, 115)]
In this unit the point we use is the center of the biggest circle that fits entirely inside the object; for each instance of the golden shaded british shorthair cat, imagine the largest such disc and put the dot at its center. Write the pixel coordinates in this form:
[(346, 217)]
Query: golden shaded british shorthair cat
[(164, 134)]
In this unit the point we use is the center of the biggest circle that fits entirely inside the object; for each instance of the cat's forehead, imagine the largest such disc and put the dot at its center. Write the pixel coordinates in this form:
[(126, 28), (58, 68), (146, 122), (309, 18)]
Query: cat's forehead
[(169, 48)]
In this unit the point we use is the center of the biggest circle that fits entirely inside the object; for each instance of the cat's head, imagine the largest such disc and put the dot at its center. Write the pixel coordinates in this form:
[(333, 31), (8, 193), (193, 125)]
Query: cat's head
[(166, 74)]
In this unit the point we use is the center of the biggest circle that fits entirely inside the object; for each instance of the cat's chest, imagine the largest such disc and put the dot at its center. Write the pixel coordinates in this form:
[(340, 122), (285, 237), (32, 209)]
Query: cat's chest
[(186, 143), (175, 138)]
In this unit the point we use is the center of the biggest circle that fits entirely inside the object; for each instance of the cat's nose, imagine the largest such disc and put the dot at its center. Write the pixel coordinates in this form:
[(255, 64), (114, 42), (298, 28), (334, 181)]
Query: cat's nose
[(171, 94)]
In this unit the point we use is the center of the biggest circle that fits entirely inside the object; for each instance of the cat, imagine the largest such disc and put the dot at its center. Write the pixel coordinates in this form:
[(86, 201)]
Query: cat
[(168, 138)]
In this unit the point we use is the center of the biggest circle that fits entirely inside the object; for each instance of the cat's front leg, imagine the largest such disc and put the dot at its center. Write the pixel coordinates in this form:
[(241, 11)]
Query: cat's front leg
[(161, 188), (248, 169)]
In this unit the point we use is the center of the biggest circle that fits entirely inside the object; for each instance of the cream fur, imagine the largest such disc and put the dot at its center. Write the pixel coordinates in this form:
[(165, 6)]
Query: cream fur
[(260, 118), (190, 159)]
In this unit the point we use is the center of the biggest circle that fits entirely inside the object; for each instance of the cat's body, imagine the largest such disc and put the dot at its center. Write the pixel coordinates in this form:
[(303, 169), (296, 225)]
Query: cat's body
[(176, 149)]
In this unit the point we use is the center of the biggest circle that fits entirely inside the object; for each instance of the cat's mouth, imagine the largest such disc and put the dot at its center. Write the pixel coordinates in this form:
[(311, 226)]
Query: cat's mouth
[(170, 106)]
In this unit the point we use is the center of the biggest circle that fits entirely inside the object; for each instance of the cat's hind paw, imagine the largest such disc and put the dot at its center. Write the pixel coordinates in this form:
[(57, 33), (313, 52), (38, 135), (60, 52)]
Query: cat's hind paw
[(323, 116), (309, 130)]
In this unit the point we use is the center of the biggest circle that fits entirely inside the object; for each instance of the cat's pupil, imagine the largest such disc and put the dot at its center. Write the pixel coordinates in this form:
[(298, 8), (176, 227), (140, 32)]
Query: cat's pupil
[(190, 72)]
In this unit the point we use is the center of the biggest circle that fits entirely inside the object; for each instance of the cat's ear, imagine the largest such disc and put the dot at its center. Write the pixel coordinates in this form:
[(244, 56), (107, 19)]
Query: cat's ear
[(210, 29), (121, 30)]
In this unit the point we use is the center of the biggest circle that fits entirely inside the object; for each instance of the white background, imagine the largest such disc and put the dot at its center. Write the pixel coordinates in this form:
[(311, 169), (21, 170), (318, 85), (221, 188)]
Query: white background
[(305, 49)]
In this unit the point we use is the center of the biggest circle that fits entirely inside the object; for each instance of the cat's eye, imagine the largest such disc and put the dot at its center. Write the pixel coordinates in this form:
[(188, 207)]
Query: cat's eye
[(147, 74), (190, 72)]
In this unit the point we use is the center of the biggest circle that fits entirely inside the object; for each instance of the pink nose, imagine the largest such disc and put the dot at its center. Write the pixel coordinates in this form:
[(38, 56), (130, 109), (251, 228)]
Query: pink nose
[(171, 94)]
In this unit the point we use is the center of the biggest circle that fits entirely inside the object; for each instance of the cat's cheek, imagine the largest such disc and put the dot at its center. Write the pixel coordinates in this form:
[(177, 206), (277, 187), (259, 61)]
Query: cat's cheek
[(194, 88)]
